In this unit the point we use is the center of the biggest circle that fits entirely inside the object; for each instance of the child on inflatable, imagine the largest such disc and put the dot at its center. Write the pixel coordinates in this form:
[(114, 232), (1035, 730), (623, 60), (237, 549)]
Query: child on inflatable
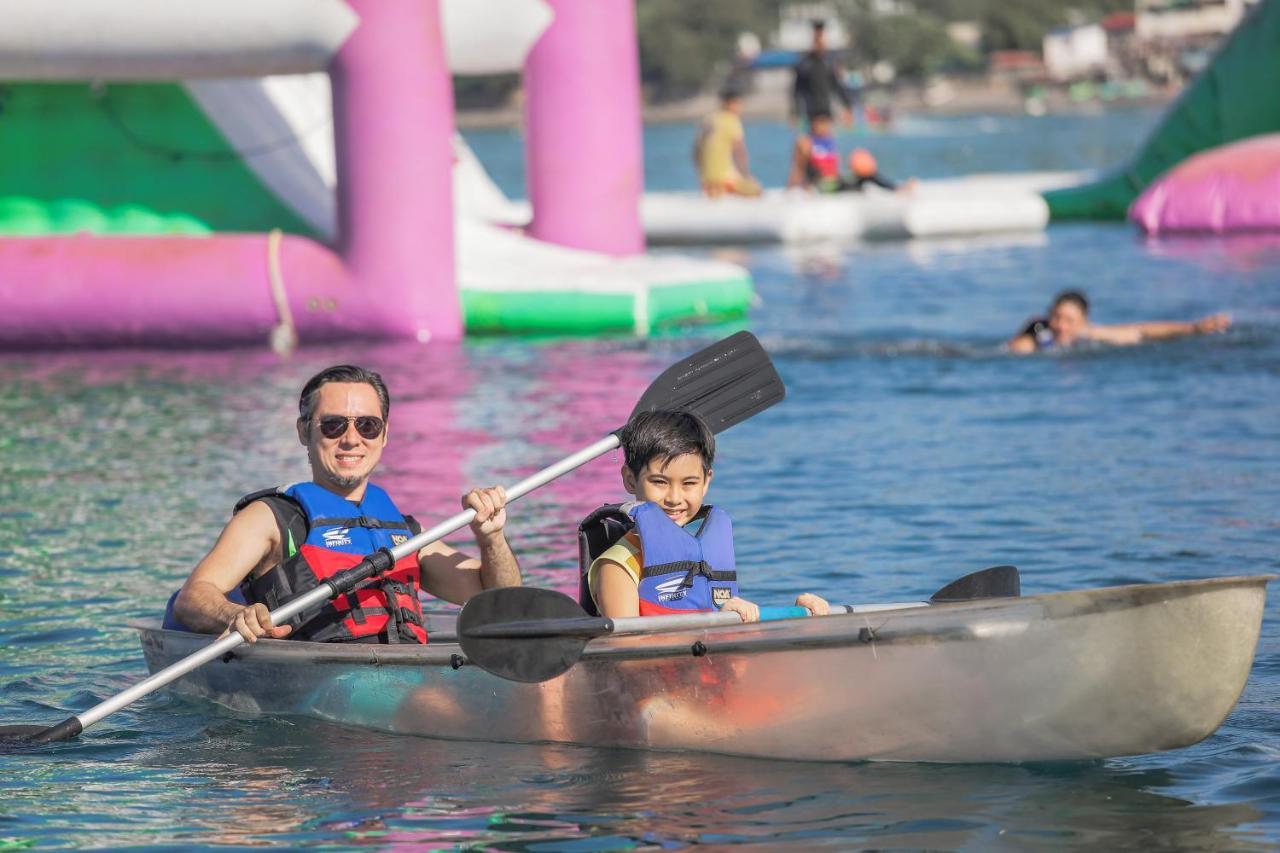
[(815, 163), (666, 552)]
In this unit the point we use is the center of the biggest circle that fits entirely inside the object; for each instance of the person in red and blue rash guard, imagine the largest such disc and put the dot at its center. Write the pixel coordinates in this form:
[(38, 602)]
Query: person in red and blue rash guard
[(815, 158), (283, 542)]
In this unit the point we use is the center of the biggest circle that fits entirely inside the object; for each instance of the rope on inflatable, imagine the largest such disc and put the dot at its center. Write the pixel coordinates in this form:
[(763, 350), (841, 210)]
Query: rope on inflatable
[(283, 336)]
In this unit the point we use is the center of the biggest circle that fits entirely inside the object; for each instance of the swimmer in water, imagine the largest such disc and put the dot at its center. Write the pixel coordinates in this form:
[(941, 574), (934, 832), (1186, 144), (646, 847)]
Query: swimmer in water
[(1068, 322)]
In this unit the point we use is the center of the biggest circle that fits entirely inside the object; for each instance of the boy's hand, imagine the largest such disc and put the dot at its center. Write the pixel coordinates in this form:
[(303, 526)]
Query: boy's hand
[(816, 605), (748, 611), (489, 505)]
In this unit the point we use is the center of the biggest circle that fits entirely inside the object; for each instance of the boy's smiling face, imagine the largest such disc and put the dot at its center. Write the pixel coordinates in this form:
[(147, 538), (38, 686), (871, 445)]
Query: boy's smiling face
[(677, 484)]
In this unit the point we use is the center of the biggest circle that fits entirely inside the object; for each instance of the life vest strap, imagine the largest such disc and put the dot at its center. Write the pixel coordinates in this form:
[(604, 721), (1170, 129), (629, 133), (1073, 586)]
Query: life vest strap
[(691, 570), (362, 521)]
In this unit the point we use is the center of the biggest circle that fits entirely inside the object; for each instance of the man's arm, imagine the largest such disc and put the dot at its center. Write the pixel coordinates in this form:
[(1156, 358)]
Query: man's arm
[(451, 575), (1132, 333), (251, 539), (842, 92)]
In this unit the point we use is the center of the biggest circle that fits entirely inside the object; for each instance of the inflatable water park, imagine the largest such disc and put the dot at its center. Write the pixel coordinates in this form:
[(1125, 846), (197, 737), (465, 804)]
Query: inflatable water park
[(221, 173), (1212, 164)]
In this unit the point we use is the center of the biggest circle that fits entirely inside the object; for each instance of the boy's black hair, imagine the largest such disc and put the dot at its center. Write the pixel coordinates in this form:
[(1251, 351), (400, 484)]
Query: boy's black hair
[(666, 434), (341, 373), (1072, 296)]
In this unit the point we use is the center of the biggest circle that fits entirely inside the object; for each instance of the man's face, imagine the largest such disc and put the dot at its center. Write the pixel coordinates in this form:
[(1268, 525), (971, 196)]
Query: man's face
[(678, 485), (1067, 321), (344, 462), (819, 41), (820, 126)]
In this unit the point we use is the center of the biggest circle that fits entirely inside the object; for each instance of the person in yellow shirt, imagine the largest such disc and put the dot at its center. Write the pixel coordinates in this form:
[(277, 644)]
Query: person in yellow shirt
[(720, 151)]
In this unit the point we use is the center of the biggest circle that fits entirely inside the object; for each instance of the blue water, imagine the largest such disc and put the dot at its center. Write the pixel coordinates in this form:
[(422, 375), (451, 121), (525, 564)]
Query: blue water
[(910, 450)]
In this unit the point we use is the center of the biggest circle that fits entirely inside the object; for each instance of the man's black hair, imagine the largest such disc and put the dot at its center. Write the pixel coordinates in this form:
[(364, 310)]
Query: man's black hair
[(341, 373), (664, 435), (1072, 296), (818, 24)]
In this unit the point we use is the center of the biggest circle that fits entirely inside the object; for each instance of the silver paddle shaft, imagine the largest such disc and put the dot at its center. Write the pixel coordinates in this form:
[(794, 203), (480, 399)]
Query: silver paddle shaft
[(695, 621), (322, 593)]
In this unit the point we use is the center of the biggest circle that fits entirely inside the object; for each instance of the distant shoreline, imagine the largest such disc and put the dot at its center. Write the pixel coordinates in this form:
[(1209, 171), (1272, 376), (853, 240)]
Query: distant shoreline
[(951, 96), (947, 97)]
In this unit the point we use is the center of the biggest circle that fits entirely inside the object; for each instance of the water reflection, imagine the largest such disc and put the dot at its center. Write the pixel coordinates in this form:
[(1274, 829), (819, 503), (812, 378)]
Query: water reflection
[(400, 792)]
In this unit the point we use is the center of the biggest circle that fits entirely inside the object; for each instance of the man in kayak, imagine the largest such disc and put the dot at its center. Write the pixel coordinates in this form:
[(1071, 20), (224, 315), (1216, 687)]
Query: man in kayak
[(816, 80), (720, 151), (1068, 323), (282, 542), (676, 555)]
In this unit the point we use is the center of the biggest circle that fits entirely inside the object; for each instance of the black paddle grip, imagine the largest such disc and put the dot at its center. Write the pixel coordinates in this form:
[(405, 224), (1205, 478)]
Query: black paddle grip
[(65, 730), (374, 564)]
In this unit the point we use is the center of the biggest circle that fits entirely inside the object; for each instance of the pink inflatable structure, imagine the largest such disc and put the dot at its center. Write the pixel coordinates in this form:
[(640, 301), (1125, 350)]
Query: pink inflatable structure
[(1230, 189), (391, 272)]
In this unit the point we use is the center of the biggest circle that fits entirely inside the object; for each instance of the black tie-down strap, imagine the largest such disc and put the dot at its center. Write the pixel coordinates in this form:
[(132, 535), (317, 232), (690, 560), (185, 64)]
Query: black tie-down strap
[(691, 569), (397, 616)]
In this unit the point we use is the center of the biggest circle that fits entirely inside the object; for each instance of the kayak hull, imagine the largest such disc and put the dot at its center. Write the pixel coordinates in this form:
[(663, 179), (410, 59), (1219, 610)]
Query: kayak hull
[(1059, 676)]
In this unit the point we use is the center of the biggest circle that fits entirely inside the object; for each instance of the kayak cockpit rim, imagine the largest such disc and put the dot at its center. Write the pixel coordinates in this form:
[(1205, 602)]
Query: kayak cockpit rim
[(947, 622)]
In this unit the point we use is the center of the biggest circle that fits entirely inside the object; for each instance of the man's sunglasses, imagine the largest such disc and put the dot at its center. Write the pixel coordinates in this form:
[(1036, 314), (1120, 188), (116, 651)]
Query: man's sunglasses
[(333, 426)]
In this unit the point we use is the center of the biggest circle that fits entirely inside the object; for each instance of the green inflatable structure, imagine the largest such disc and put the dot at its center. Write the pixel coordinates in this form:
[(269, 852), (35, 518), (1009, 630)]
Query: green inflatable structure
[(1236, 96)]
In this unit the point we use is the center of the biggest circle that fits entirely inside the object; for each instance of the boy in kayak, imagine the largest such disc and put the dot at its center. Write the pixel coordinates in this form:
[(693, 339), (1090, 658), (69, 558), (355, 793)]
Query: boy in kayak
[(720, 151), (1068, 323), (673, 553)]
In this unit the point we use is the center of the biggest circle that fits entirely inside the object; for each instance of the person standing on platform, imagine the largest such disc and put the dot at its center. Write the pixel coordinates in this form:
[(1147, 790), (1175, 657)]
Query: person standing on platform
[(817, 80)]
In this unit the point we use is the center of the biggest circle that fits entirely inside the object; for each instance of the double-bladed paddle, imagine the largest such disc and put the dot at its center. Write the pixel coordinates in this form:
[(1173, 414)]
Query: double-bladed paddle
[(725, 384), (528, 634)]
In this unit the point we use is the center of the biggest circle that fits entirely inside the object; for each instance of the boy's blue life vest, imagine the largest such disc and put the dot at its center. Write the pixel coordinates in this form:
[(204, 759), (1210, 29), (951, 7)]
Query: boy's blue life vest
[(682, 572), (339, 534)]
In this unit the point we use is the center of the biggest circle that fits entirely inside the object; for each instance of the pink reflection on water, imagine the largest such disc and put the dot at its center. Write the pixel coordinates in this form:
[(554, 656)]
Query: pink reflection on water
[(1246, 252), (581, 392)]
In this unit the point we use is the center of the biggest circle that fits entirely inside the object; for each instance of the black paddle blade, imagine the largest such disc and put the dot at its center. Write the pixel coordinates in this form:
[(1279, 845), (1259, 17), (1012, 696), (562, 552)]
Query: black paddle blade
[(995, 582), (20, 733), (532, 656), (725, 384)]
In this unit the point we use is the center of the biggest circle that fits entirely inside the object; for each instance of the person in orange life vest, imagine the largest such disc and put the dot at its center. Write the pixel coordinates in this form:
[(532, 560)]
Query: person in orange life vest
[(651, 569), (343, 424)]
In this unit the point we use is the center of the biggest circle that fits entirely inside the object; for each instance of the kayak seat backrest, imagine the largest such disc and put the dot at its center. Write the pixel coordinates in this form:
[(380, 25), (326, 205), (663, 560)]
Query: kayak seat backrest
[(596, 534)]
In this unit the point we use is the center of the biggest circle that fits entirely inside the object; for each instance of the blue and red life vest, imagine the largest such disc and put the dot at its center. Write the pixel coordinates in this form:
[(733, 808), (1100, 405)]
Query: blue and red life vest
[(824, 162), (340, 533), (683, 572)]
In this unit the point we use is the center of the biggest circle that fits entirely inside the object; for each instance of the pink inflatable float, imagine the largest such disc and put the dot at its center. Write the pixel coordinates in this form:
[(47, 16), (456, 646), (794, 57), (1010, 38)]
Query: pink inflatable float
[(1226, 190)]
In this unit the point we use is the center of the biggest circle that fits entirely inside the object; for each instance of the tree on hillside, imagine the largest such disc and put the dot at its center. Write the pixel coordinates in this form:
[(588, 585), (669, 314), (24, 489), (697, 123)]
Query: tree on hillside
[(682, 42)]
